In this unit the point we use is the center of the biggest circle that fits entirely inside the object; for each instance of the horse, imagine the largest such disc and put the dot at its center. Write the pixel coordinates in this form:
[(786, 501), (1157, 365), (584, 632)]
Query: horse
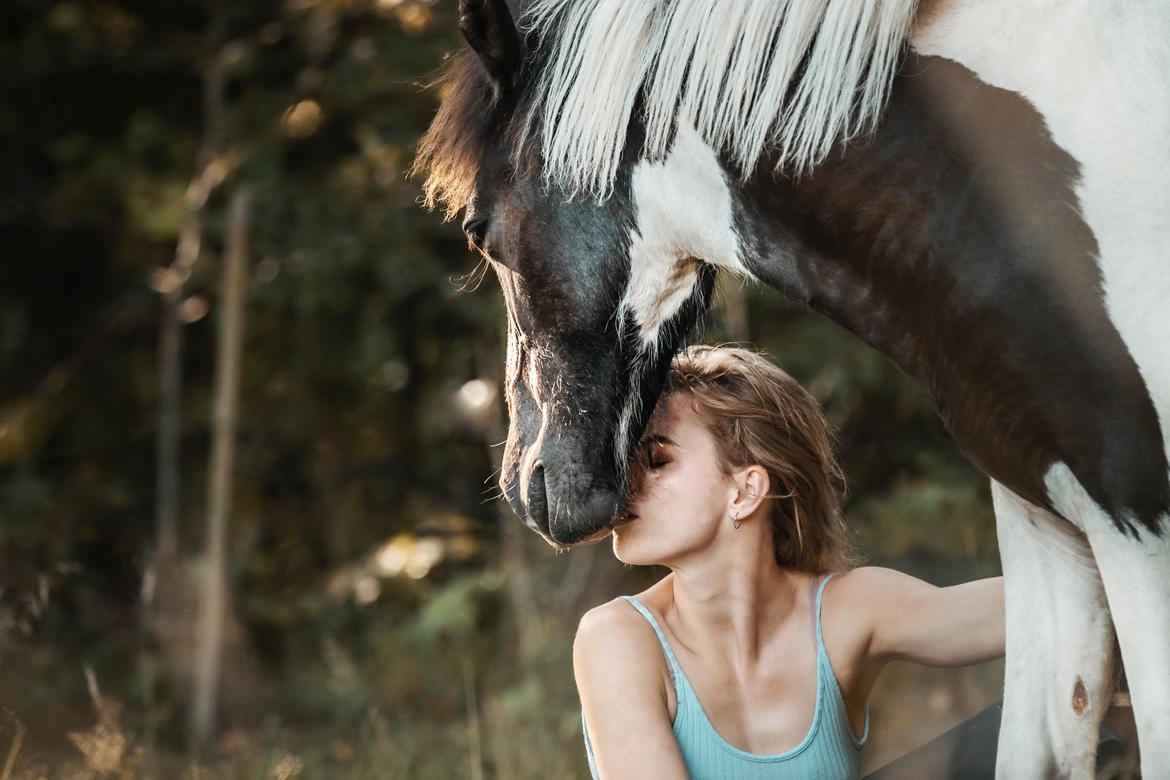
[(979, 189)]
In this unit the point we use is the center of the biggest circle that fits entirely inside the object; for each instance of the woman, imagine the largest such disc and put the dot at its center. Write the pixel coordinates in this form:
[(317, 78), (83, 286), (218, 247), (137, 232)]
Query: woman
[(755, 656)]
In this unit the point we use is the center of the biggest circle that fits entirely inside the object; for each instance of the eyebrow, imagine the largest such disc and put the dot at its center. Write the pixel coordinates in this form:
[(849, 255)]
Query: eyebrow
[(660, 439)]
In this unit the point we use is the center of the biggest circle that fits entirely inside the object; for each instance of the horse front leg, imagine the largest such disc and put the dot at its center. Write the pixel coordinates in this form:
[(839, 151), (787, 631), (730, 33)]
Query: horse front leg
[(1136, 573), (1059, 670)]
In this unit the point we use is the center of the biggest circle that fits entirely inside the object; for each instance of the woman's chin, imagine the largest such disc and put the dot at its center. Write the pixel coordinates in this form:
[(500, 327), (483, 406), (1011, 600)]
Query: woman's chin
[(629, 547)]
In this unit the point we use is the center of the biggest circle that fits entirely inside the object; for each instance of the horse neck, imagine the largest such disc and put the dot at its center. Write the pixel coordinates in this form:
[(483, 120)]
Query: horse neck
[(959, 186)]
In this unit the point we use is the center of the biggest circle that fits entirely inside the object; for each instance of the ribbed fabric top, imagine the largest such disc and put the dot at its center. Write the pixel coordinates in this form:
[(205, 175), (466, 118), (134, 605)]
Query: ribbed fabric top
[(828, 751)]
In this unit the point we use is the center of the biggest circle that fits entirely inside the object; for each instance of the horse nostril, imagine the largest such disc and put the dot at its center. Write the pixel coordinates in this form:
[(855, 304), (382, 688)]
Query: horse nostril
[(538, 497)]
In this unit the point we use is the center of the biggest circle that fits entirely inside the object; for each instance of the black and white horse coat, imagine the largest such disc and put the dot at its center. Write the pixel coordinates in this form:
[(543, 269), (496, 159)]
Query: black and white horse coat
[(978, 188)]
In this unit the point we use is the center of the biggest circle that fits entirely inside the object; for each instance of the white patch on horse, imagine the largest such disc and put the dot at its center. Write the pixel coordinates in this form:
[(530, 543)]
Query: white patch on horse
[(622, 443), (1136, 574), (1060, 644), (791, 75), (683, 215)]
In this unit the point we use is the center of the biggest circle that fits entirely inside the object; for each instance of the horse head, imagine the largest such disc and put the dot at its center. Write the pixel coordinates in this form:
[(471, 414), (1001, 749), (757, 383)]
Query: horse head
[(589, 342), (608, 158)]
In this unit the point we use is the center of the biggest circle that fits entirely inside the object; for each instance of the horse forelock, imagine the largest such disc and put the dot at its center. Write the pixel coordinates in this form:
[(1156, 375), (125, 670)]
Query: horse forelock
[(452, 149), (789, 76)]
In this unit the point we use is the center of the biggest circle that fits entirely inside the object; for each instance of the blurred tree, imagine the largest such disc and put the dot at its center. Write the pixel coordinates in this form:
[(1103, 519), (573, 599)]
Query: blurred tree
[(214, 597), (169, 283)]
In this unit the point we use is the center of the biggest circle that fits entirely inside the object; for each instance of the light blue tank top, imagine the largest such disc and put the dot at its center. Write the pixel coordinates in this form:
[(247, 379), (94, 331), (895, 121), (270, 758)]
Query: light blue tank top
[(828, 751)]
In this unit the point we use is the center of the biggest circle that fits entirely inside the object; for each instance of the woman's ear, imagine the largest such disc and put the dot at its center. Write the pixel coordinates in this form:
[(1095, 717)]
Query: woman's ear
[(752, 486)]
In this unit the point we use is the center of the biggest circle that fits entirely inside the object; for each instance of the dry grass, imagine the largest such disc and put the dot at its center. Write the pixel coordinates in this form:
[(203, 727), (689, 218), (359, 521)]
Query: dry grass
[(522, 731)]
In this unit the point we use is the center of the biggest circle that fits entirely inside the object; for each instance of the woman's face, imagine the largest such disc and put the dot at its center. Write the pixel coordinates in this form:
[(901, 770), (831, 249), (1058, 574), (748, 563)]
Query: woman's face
[(683, 494)]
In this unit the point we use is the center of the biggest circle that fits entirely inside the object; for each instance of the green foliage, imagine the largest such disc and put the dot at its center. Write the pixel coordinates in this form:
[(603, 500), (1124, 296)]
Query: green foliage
[(456, 612)]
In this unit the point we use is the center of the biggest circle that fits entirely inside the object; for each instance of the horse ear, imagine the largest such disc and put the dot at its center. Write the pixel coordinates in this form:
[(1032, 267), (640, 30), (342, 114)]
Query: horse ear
[(489, 29)]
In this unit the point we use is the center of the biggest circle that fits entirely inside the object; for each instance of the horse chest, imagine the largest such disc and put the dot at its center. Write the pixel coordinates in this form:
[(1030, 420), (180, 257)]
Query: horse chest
[(1092, 355)]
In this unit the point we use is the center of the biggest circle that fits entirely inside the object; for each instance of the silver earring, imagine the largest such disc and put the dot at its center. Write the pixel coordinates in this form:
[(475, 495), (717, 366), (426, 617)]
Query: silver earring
[(735, 520)]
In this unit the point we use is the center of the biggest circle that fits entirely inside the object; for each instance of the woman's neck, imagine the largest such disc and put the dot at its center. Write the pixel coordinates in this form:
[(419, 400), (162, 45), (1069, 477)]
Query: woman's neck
[(730, 605)]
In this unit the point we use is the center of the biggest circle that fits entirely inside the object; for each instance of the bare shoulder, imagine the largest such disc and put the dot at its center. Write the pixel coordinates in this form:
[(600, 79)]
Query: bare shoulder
[(867, 576), (847, 612), (867, 587), (860, 599), (615, 632), (619, 665)]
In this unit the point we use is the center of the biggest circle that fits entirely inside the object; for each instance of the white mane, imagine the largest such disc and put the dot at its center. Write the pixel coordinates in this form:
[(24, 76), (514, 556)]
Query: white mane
[(793, 76)]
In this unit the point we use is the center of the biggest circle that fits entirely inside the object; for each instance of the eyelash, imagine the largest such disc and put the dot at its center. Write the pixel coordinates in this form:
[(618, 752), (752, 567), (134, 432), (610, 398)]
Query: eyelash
[(654, 463)]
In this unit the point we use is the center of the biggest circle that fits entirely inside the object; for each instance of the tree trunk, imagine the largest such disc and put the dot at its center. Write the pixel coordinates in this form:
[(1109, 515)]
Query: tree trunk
[(169, 284), (162, 563), (213, 604)]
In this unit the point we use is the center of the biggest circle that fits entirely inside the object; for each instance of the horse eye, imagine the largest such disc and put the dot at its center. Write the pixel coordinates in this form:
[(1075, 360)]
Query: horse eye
[(476, 230)]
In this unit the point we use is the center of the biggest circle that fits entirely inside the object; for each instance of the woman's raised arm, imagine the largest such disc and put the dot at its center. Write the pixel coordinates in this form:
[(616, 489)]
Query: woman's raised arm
[(618, 665), (919, 622)]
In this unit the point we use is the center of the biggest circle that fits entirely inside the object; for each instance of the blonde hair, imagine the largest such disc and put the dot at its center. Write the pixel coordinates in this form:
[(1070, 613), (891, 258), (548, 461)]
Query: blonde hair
[(759, 415)]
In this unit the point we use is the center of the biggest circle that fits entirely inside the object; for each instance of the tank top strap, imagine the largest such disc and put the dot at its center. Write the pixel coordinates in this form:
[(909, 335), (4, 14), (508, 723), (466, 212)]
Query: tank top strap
[(817, 610), (675, 670), (827, 678)]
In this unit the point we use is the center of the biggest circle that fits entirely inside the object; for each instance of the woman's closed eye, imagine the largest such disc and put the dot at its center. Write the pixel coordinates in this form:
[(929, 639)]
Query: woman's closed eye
[(655, 455)]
